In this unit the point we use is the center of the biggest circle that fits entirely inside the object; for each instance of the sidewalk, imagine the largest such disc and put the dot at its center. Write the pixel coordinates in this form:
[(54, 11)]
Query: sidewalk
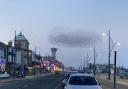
[(27, 77), (119, 81)]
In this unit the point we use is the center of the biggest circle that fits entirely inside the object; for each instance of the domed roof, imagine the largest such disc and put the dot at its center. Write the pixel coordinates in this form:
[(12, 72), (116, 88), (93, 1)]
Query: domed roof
[(21, 37)]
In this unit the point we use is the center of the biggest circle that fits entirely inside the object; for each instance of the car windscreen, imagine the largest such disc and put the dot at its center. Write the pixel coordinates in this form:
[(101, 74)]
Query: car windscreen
[(82, 80)]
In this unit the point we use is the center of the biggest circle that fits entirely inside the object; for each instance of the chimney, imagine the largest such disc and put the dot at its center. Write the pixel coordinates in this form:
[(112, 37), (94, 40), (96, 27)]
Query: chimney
[(10, 43)]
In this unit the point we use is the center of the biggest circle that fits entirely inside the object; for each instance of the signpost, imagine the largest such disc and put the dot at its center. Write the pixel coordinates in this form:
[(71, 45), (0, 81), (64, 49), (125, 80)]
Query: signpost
[(115, 56)]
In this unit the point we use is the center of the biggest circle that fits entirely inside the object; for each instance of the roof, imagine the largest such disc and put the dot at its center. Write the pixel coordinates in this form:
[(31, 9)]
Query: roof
[(80, 74), (21, 37), (2, 44)]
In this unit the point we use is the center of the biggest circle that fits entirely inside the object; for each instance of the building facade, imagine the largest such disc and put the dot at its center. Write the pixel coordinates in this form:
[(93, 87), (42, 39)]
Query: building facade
[(18, 56), (3, 56), (22, 50)]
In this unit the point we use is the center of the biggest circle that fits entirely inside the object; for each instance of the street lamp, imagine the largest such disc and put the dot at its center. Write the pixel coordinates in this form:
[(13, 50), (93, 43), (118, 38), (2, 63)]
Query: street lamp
[(110, 50), (94, 61), (94, 64), (82, 65), (95, 55)]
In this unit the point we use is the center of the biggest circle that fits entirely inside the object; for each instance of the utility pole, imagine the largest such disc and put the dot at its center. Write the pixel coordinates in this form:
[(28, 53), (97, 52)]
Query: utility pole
[(109, 55)]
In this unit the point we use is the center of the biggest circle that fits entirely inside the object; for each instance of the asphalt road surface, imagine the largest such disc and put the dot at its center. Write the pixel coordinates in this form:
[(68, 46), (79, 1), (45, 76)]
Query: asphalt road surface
[(44, 82)]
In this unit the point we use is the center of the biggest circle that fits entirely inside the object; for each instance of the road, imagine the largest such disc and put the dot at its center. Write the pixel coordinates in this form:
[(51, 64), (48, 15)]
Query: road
[(52, 82), (44, 82)]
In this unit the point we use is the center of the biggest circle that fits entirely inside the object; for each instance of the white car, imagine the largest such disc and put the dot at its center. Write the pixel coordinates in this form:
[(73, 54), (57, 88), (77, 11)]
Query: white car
[(3, 76), (82, 81)]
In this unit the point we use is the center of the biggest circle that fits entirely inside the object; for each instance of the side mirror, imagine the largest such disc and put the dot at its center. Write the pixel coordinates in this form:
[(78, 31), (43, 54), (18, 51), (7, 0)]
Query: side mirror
[(65, 81)]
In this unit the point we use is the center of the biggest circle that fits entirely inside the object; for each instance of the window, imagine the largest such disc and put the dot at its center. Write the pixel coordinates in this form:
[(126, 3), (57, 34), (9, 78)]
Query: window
[(82, 80)]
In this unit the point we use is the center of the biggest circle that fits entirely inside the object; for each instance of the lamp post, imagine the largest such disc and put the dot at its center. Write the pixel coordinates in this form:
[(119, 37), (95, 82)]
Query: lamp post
[(94, 69), (14, 54), (109, 56), (81, 65), (94, 60), (35, 62), (110, 51), (87, 62), (40, 63)]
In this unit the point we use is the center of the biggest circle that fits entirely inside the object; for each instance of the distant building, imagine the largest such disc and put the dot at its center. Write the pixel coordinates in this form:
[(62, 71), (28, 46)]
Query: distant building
[(51, 64), (18, 56), (3, 50), (54, 50), (22, 50), (3, 56)]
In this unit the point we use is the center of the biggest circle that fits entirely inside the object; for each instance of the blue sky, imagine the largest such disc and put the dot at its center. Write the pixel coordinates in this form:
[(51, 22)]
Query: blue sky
[(37, 18)]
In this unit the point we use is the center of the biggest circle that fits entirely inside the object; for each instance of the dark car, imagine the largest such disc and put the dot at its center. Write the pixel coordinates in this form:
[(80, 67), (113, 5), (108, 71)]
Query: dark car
[(20, 73)]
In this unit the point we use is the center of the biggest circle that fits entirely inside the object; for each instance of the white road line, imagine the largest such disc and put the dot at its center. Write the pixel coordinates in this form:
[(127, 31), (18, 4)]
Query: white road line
[(25, 86), (58, 86), (53, 78)]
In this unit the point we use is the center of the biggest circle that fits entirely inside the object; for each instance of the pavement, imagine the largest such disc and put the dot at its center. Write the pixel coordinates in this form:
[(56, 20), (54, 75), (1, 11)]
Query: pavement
[(49, 81), (108, 84), (27, 77)]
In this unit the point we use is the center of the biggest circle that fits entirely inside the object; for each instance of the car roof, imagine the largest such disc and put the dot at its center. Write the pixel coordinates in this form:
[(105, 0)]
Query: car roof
[(72, 72), (80, 74)]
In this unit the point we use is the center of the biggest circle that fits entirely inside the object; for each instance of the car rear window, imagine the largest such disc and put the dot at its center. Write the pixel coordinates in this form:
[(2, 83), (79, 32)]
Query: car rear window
[(82, 80)]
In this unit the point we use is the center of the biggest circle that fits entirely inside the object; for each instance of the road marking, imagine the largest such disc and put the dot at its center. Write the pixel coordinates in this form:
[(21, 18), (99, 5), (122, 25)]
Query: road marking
[(58, 86), (3, 84), (53, 78), (25, 86)]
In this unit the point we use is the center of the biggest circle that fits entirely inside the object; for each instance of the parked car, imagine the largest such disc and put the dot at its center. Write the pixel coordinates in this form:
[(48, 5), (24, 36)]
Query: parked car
[(82, 81), (20, 74), (4, 75)]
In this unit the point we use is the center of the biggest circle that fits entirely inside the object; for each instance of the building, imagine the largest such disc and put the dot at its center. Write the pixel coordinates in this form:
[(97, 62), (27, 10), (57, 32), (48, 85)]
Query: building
[(22, 50), (54, 50), (19, 57), (52, 65), (3, 56)]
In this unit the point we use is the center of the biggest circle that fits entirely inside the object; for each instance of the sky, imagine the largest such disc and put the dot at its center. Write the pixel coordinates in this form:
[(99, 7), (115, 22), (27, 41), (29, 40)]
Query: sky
[(36, 19)]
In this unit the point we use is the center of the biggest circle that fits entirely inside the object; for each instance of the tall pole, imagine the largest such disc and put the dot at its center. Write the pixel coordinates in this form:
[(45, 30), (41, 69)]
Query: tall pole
[(109, 55), (90, 67), (40, 62), (84, 64), (81, 65), (14, 53), (35, 62), (115, 56), (87, 63), (87, 60), (94, 69)]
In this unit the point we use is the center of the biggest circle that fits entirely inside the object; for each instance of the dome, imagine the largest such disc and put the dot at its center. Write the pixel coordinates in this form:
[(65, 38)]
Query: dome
[(21, 37)]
